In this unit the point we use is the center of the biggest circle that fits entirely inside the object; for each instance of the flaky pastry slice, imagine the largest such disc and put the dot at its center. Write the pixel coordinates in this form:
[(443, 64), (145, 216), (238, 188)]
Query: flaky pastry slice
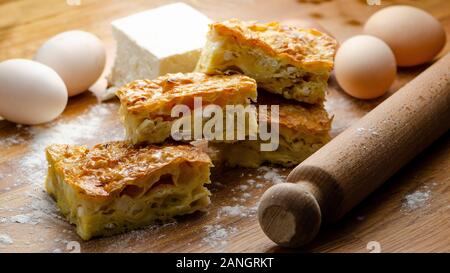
[(115, 187), (303, 129), (286, 60), (146, 105)]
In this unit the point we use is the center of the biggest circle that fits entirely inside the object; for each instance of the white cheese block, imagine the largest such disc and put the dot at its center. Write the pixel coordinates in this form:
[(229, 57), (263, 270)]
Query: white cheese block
[(164, 40)]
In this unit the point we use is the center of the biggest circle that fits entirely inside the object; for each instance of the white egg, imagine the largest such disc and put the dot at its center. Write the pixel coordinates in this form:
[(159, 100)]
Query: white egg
[(30, 92), (78, 57)]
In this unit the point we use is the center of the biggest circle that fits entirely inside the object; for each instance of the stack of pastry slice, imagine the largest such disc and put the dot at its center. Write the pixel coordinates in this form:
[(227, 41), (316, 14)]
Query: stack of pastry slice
[(117, 186), (290, 62)]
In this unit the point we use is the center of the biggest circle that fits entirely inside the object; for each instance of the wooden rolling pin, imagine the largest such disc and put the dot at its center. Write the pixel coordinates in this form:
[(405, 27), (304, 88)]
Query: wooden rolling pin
[(351, 166)]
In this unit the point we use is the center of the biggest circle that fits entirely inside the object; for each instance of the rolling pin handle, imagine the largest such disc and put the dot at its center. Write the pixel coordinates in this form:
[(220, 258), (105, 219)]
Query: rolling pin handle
[(289, 213)]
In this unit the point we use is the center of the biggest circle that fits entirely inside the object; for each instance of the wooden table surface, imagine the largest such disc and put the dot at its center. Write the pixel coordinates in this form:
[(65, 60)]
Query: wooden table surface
[(410, 213)]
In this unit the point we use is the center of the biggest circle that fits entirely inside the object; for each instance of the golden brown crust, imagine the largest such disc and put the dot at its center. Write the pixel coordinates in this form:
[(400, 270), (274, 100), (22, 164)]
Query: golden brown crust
[(306, 48), (296, 115), (107, 168), (157, 97)]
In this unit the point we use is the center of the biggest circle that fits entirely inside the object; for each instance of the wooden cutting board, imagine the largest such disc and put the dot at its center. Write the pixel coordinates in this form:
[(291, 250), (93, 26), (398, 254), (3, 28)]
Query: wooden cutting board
[(409, 214)]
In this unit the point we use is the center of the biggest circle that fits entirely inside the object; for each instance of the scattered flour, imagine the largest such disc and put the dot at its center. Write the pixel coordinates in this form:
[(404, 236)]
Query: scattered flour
[(16, 138), (21, 219), (246, 195), (85, 127), (270, 174), (124, 242), (273, 177), (243, 187), (217, 235), (237, 210), (416, 200), (12, 140), (251, 182), (230, 211), (5, 239)]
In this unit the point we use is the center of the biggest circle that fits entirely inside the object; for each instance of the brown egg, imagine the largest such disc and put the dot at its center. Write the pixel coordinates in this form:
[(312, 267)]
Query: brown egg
[(414, 36), (365, 67)]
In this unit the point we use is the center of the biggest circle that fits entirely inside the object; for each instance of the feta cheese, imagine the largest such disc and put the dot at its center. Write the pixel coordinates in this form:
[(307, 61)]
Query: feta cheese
[(164, 40)]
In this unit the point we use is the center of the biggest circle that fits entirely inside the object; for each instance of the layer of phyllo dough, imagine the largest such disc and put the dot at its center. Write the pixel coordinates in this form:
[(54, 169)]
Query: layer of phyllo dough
[(117, 186)]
